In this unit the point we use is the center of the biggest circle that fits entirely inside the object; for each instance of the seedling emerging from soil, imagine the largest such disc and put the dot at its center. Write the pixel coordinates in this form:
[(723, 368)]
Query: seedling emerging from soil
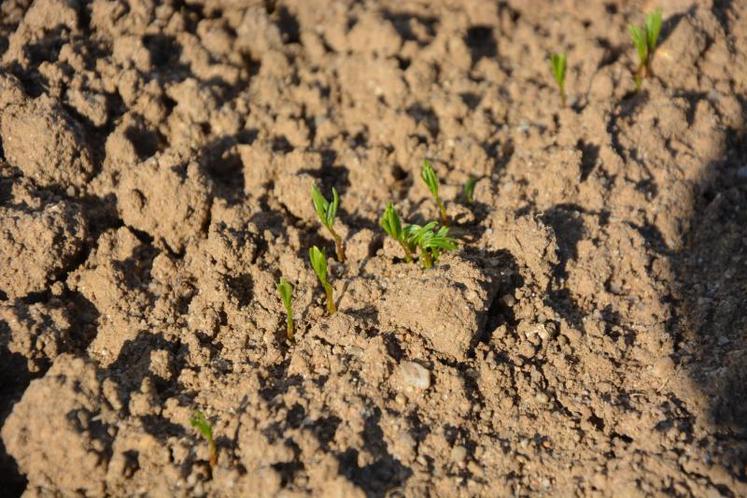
[(392, 225), (469, 190), (644, 39), (318, 261), (327, 211), (430, 241), (558, 65), (285, 289), (431, 180), (199, 422)]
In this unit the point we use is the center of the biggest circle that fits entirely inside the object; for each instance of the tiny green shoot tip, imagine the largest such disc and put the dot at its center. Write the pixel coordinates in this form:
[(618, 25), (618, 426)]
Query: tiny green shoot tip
[(558, 64), (431, 181), (199, 422), (285, 290), (468, 191)]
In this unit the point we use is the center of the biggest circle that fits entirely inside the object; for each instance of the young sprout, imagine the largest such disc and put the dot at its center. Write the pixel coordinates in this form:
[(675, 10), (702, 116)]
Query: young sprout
[(392, 225), (318, 261), (431, 180), (285, 289), (644, 39), (431, 242), (326, 211), (469, 189), (558, 65), (199, 422)]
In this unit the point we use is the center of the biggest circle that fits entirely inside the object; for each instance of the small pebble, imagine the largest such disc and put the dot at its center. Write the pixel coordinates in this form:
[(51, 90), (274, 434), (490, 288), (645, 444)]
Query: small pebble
[(458, 453), (742, 174), (542, 397), (415, 375)]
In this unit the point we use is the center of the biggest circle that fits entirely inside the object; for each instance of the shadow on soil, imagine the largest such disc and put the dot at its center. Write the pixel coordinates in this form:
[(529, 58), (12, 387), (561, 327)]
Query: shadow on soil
[(14, 378), (710, 331)]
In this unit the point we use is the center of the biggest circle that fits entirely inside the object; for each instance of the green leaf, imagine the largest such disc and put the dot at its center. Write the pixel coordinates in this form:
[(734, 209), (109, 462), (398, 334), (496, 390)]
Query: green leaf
[(638, 35), (199, 422), (391, 223), (318, 260), (285, 289), (429, 177), (653, 28), (558, 63), (325, 210)]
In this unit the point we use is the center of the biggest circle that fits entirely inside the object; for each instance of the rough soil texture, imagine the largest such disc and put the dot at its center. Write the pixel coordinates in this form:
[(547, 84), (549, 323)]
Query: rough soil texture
[(588, 338)]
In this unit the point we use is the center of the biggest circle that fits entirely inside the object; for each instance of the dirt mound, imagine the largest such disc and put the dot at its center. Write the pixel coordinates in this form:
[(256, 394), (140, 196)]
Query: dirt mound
[(586, 338)]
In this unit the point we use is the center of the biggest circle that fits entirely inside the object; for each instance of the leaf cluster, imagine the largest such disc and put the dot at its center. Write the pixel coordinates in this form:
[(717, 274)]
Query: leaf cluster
[(429, 240), (318, 260), (431, 181), (326, 211), (645, 39)]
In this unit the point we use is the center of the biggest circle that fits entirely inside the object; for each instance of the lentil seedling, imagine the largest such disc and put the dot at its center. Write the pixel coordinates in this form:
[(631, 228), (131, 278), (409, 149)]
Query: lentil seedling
[(644, 39), (199, 422), (558, 66), (327, 211), (392, 225), (431, 180), (285, 289), (430, 241), (318, 260)]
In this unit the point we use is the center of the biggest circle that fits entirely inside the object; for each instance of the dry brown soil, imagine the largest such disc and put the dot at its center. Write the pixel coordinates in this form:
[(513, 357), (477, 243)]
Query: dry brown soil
[(588, 337)]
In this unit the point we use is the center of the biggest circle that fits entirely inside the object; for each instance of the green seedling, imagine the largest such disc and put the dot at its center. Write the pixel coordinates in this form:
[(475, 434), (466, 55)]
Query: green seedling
[(318, 260), (392, 225), (431, 180), (199, 422), (644, 39), (430, 241), (285, 289), (558, 66), (327, 211), (469, 189)]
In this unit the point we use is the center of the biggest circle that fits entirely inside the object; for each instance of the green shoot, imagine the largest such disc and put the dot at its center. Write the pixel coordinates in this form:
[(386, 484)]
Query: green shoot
[(318, 260), (392, 225), (644, 39), (285, 289), (327, 211), (431, 242), (199, 422), (431, 180), (558, 66), (469, 189)]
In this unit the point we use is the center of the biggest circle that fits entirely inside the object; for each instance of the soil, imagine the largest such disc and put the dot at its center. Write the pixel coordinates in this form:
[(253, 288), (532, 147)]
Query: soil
[(587, 338)]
